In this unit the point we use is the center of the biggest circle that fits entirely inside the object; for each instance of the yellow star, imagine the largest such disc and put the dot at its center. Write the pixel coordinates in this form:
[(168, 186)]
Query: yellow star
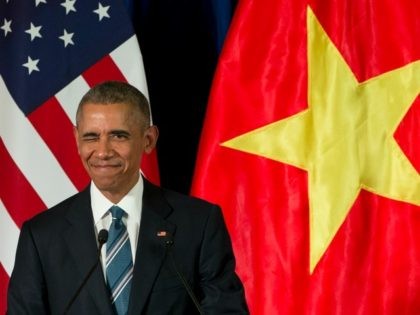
[(344, 140)]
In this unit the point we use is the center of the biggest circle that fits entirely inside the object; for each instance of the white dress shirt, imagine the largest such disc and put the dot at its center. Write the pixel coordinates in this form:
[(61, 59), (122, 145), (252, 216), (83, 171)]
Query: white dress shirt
[(131, 204)]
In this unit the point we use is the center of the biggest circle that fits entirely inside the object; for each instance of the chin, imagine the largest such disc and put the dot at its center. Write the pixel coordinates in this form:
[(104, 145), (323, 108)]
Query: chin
[(105, 185)]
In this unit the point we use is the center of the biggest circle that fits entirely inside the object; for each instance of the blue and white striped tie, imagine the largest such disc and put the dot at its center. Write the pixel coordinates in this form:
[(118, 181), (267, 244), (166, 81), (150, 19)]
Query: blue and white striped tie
[(119, 262)]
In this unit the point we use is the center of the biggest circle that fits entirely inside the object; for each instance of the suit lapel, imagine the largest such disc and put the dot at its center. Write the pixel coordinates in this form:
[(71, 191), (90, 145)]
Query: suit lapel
[(150, 251), (81, 242)]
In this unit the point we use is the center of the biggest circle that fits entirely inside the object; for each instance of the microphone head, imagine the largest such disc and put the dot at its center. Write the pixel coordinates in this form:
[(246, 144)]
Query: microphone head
[(102, 236)]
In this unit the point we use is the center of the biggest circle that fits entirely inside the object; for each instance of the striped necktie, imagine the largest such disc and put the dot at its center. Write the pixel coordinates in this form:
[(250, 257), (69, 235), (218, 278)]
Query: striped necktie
[(119, 262)]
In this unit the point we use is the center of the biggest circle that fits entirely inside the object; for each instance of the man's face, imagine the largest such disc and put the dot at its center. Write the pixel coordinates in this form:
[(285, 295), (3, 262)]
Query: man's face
[(111, 141)]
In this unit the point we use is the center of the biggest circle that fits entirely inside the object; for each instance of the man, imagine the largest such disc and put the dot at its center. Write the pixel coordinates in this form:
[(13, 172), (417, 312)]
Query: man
[(164, 236)]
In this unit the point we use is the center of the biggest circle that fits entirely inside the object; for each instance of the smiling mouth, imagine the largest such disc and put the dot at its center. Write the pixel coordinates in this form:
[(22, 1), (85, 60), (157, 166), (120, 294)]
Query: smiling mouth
[(104, 166)]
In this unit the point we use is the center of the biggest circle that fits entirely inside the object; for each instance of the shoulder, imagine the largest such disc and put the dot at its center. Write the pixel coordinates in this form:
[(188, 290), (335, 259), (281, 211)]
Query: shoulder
[(53, 218), (176, 198), (178, 201), (181, 208)]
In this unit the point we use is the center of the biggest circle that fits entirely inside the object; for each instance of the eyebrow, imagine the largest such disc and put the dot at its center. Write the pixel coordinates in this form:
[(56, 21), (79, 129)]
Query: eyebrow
[(119, 132)]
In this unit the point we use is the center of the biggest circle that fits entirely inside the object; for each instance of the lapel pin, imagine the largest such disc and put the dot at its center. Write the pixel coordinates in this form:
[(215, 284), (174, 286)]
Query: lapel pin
[(162, 233)]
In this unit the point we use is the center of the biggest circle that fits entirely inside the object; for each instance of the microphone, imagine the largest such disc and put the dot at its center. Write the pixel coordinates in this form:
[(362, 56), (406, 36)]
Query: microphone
[(102, 238), (168, 242)]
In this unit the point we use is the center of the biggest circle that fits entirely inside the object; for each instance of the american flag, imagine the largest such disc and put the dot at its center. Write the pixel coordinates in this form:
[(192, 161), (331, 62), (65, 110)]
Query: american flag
[(51, 52)]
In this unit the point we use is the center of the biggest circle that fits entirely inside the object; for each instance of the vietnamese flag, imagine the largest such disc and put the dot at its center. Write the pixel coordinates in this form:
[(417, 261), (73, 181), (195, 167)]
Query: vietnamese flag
[(311, 145)]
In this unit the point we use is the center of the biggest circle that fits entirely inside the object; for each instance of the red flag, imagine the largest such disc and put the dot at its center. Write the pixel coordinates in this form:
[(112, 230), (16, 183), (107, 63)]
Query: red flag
[(51, 53), (310, 145)]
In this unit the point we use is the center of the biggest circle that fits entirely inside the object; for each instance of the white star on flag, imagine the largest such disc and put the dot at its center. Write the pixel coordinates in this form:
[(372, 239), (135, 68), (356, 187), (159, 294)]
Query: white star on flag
[(69, 5), (67, 38), (102, 11), (37, 2), (6, 27), (32, 65), (34, 31)]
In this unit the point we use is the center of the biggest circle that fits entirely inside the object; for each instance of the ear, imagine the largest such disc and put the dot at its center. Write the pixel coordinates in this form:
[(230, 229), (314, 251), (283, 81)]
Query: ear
[(76, 135), (150, 138)]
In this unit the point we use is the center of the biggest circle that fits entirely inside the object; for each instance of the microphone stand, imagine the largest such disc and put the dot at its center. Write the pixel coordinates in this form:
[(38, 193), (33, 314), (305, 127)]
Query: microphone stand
[(168, 246), (102, 238)]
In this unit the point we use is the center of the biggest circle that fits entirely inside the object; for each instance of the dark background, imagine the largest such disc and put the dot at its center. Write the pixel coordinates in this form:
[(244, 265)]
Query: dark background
[(180, 42)]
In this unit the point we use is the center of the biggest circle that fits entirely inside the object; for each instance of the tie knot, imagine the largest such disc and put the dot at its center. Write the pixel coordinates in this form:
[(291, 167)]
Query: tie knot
[(117, 212)]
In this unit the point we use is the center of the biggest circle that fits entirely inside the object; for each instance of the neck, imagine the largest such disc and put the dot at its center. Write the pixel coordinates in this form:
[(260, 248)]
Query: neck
[(115, 195)]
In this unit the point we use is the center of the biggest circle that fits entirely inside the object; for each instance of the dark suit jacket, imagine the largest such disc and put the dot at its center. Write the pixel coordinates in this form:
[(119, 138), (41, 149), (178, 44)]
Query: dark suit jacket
[(58, 247)]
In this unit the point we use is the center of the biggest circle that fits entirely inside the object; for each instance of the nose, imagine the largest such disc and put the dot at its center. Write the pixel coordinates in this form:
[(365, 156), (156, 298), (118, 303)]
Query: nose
[(104, 149)]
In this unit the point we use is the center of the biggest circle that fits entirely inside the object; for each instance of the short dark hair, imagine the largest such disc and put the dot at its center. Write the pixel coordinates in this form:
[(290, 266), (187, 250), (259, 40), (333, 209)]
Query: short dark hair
[(112, 92)]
